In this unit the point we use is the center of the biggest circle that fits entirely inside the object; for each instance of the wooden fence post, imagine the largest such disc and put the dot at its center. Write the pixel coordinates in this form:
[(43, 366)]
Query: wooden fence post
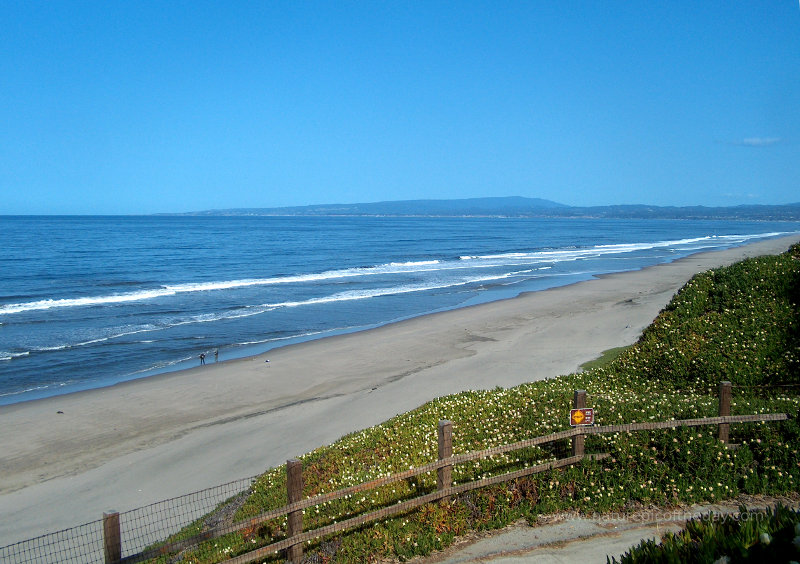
[(444, 476), (578, 402), (112, 540), (294, 489), (724, 409)]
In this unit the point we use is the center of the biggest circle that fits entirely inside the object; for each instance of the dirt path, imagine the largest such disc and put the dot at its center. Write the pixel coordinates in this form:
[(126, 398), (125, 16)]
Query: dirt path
[(567, 537)]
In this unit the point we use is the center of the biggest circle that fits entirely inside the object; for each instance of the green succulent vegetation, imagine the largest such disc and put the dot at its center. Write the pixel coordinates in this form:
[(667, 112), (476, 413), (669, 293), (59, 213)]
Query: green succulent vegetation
[(605, 358), (749, 536), (740, 323)]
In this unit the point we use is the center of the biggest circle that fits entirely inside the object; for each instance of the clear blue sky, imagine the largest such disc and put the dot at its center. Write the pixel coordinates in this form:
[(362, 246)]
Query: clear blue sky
[(117, 107)]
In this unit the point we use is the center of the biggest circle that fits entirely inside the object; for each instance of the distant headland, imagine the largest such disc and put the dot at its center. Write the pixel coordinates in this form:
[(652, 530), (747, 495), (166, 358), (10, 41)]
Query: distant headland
[(515, 206)]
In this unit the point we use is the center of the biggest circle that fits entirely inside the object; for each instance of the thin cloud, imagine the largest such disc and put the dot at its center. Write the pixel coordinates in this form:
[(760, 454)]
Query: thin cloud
[(759, 141), (739, 197)]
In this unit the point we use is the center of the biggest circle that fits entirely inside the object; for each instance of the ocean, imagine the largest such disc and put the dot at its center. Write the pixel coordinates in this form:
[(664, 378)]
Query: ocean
[(87, 302)]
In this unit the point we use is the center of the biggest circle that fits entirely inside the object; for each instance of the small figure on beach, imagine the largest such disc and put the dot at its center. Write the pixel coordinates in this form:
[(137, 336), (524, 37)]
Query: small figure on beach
[(202, 358), (216, 355)]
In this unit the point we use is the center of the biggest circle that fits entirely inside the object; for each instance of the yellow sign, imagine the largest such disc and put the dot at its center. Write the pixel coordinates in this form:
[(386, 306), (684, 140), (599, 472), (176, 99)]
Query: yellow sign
[(583, 416)]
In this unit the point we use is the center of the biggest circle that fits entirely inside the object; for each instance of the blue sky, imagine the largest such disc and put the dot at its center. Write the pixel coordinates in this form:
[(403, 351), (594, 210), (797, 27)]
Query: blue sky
[(119, 107)]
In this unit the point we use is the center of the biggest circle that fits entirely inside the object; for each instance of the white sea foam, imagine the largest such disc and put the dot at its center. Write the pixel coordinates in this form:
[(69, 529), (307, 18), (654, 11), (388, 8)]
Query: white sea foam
[(161, 365), (85, 301), (379, 292), (248, 311), (25, 391), (217, 316), (189, 287), (285, 338), (572, 253), (118, 332), (111, 333), (390, 268), (407, 267), (414, 263), (54, 348), (12, 355)]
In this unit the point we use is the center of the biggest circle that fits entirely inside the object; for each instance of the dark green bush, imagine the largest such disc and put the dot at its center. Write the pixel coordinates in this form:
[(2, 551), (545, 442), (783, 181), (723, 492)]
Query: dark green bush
[(747, 536)]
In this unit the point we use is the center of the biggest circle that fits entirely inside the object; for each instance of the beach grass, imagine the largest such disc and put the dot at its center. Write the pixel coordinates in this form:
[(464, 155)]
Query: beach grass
[(739, 323)]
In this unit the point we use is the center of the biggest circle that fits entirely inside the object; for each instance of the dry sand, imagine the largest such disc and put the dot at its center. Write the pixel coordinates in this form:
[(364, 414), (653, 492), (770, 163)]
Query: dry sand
[(65, 460)]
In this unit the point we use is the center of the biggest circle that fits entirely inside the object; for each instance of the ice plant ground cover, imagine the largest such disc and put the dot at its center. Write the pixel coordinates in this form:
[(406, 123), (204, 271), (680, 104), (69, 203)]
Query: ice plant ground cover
[(740, 323), (749, 536)]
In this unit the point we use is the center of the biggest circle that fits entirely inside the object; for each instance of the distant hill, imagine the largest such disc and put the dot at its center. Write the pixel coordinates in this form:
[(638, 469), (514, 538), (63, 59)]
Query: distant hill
[(515, 206), (512, 205), (786, 212)]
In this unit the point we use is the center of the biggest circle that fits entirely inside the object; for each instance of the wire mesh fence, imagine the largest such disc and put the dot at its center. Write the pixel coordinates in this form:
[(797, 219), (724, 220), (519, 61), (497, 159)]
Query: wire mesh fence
[(145, 526), (82, 545), (139, 529)]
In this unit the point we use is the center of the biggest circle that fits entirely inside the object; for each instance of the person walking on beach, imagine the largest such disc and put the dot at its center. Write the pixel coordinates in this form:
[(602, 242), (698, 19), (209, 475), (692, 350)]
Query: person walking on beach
[(216, 355), (202, 358)]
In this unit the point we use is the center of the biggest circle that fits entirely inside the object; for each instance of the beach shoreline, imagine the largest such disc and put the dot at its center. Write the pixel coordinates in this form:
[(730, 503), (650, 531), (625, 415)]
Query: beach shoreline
[(68, 458)]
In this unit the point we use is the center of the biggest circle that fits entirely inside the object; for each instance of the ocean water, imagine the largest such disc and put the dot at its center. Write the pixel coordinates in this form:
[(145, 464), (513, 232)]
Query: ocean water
[(87, 302)]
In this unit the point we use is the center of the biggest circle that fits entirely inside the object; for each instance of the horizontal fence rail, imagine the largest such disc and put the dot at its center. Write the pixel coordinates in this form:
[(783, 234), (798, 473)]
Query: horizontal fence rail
[(403, 507), (454, 490), (134, 530)]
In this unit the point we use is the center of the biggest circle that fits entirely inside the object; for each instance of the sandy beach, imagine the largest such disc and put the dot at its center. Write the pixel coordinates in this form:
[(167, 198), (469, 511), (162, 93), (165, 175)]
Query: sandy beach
[(67, 459)]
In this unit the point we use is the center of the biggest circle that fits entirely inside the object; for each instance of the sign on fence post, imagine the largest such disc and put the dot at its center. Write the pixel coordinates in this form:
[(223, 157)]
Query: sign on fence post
[(723, 430), (294, 521), (581, 417), (112, 541), (578, 403), (444, 476)]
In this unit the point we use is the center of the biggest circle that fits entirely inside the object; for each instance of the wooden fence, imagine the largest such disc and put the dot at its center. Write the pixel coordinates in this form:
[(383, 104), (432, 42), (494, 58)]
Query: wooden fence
[(293, 544)]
